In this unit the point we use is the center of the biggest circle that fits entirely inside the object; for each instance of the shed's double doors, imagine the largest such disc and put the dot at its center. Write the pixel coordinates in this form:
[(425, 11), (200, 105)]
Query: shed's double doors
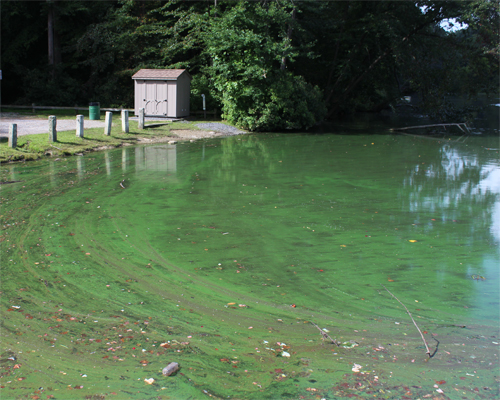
[(159, 98)]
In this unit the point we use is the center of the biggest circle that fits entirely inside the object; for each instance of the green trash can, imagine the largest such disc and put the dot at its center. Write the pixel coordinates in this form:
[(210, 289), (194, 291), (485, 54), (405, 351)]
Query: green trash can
[(94, 111)]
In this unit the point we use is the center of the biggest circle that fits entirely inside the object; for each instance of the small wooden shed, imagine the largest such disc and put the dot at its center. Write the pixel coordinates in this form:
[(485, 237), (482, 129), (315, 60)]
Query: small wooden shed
[(162, 92)]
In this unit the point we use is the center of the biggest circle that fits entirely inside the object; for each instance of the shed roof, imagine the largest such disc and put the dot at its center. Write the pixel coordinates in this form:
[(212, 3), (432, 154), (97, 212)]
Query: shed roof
[(167, 74)]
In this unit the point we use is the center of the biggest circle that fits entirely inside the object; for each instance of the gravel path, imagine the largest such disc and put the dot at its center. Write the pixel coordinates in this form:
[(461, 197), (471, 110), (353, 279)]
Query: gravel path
[(29, 126), (218, 127)]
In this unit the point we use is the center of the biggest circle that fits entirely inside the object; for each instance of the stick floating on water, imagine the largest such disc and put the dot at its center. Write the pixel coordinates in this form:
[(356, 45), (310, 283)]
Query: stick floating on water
[(428, 352), (325, 335), (460, 126)]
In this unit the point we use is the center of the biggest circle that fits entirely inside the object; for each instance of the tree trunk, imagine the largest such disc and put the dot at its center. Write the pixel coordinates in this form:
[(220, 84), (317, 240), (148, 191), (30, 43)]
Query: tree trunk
[(289, 40), (54, 48), (50, 29)]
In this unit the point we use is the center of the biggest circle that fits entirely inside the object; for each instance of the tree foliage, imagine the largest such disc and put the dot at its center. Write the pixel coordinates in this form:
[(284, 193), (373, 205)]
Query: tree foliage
[(269, 64), (248, 46)]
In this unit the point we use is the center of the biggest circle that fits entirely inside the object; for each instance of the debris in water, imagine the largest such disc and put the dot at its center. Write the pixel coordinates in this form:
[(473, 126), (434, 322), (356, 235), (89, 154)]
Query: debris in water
[(170, 369)]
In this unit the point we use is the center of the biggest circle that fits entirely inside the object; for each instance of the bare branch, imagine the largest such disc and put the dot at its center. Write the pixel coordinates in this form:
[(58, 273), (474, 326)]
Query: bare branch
[(325, 336), (428, 352)]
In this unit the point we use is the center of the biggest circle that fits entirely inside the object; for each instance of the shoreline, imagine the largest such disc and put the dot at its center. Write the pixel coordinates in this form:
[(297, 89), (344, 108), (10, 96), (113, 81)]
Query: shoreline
[(35, 146)]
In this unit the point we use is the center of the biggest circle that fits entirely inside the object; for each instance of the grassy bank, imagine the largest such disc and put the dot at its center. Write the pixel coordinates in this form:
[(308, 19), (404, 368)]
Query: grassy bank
[(36, 146)]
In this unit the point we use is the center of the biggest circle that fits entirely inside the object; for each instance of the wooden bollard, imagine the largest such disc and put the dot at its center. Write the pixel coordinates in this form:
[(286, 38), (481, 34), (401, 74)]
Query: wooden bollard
[(13, 136), (108, 123), (141, 118), (52, 128), (125, 121), (79, 126)]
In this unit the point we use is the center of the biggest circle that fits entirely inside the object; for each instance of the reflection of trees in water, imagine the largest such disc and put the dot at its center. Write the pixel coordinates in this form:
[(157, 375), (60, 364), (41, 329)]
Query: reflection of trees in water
[(239, 156), (457, 185)]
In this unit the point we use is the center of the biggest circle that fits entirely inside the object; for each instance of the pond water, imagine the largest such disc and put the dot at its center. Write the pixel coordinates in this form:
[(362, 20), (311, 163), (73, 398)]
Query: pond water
[(228, 256)]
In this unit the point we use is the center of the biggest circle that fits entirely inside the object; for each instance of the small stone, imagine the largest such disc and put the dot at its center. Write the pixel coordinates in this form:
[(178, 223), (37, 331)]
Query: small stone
[(170, 369), (356, 367)]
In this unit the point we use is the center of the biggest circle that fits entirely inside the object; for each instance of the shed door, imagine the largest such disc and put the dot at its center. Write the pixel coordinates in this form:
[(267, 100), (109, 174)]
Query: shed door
[(172, 103), (156, 98)]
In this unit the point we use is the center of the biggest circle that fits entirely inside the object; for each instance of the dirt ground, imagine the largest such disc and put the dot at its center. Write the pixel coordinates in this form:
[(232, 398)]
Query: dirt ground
[(184, 134)]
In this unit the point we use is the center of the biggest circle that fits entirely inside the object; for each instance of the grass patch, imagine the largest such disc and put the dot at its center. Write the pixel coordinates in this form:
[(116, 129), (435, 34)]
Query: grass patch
[(33, 147)]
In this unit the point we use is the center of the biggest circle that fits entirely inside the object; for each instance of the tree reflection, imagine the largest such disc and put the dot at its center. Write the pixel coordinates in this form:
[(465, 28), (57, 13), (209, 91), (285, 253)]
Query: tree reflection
[(458, 186)]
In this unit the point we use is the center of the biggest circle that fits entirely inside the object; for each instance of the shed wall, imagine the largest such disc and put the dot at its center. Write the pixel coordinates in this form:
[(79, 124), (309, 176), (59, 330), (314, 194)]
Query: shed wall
[(163, 97), (172, 95), (140, 94), (183, 94)]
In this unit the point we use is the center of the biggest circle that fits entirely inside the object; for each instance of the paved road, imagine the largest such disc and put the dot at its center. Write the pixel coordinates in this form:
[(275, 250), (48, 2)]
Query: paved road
[(28, 126)]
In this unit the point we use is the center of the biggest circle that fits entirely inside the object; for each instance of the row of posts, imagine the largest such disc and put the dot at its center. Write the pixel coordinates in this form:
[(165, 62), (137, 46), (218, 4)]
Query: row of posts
[(79, 126)]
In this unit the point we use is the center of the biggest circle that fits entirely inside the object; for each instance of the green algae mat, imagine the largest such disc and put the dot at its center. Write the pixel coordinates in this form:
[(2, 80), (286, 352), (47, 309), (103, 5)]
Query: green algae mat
[(262, 264)]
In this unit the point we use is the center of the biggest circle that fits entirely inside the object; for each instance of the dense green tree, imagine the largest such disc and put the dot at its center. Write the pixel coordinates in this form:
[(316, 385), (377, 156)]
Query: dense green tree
[(368, 52), (250, 46), (39, 66), (142, 34)]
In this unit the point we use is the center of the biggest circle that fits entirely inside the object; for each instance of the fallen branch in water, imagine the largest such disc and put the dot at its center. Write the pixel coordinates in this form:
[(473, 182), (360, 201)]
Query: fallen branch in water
[(325, 336), (428, 352), (7, 182), (460, 126), (121, 184)]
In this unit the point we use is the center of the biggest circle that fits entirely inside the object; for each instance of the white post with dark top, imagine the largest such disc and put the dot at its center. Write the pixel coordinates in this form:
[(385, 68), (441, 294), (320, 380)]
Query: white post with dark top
[(79, 126), (52, 128), (108, 123), (141, 118), (125, 128), (13, 136)]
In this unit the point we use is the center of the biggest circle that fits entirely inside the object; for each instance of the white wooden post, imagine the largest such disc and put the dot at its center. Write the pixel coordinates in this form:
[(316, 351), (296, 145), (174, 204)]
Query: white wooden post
[(141, 118), (108, 123), (52, 128), (125, 121), (13, 136), (79, 126)]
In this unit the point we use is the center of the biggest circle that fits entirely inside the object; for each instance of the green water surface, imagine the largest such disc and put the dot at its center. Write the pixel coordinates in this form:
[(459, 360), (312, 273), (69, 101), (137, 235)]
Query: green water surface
[(221, 255)]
